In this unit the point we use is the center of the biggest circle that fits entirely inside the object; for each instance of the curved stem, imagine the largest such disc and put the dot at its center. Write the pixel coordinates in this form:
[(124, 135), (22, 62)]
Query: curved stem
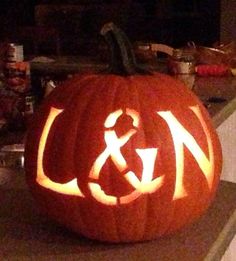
[(123, 61)]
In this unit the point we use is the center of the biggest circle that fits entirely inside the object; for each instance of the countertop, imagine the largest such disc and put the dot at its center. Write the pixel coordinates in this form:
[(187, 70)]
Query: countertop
[(204, 87), (223, 88), (27, 235)]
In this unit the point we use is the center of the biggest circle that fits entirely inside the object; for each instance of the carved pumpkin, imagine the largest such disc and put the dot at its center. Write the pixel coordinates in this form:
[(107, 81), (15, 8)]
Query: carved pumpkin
[(122, 156)]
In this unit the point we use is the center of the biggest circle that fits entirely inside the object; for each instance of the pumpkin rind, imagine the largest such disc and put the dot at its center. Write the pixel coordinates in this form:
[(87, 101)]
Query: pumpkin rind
[(76, 139)]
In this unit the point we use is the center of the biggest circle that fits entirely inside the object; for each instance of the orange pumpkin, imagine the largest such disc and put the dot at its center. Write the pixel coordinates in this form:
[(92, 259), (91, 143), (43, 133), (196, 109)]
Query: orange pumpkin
[(122, 156)]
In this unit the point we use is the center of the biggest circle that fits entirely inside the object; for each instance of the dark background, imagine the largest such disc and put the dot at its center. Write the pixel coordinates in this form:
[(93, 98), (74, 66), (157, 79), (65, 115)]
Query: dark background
[(173, 22)]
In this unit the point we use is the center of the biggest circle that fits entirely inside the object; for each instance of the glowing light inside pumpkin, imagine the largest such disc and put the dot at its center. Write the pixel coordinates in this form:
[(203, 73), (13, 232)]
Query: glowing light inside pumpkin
[(146, 185), (69, 188), (113, 117), (113, 145), (182, 137)]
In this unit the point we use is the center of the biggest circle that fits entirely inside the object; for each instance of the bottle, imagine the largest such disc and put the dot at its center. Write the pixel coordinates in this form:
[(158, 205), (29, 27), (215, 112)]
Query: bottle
[(16, 70), (182, 62), (17, 83), (182, 66), (29, 107)]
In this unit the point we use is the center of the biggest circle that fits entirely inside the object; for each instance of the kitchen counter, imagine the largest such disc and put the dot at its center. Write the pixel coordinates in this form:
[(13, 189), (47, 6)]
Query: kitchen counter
[(221, 88), (65, 65), (27, 235), (205, 87)]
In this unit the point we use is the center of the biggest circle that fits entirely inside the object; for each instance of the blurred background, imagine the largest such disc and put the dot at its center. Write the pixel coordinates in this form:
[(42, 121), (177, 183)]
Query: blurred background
[(75, 24)]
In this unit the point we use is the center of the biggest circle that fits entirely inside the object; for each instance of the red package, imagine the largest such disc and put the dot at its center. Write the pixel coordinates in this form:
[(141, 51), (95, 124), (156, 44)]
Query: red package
[(212, 69)]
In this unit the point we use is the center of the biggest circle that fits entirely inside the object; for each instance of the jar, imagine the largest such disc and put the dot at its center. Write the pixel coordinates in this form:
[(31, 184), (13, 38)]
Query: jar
[(182, 65), (181, 62)]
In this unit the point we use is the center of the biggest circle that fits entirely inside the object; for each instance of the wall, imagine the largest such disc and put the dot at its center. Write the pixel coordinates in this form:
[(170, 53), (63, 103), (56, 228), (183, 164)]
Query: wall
[(228, 141), (228, 21), (173, 22)]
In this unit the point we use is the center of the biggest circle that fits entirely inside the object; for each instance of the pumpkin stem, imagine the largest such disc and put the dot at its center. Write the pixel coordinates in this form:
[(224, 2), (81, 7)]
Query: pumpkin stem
[(123, 61)]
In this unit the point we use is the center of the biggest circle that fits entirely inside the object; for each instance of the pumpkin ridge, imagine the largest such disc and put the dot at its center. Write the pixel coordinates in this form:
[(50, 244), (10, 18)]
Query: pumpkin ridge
[(116, 99), (145, 135), (133, 91), (148, 207), (115, 96), (153, 91), (77, 84), (93, 93), (56, 168), (134, 84), (97, 94), (171, 212), (134, 87), (170, 220)]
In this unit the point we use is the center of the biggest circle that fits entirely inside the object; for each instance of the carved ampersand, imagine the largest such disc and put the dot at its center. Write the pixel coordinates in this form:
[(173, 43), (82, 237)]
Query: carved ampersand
[(113, 145)]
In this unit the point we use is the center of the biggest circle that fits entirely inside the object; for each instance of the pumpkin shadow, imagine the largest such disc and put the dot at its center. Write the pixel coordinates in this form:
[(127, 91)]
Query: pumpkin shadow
[(24, 230)]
